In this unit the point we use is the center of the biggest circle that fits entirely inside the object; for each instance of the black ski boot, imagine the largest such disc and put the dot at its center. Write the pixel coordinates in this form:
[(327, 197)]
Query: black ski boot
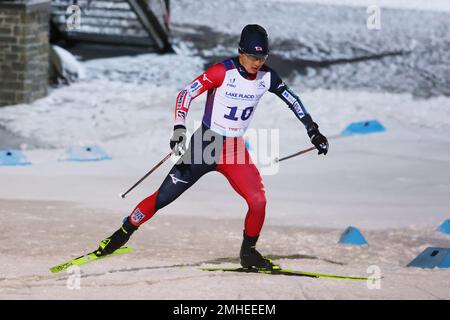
[(116, 240), (250, 258)]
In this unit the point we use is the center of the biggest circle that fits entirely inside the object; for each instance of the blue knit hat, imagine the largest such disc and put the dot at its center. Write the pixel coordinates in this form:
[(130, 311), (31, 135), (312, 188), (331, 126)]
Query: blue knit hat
[(254, 40)]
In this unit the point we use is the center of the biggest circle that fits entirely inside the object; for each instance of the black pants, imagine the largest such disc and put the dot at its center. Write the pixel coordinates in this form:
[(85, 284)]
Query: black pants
[(209, 151)]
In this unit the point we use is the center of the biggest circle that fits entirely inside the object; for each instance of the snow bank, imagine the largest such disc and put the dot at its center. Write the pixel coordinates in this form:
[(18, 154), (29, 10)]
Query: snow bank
[(66, 65)]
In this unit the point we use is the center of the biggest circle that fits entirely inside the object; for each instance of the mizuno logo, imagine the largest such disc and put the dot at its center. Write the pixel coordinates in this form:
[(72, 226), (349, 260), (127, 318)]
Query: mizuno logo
[(205, 78), (175, 180)]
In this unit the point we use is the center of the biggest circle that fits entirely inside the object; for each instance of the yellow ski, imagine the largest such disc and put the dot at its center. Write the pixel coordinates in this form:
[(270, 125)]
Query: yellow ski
[(287, 272), (86, 259)]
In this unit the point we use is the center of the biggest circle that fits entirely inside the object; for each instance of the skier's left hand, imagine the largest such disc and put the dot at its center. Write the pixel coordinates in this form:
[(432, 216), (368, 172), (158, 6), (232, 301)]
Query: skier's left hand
[(318, 139)]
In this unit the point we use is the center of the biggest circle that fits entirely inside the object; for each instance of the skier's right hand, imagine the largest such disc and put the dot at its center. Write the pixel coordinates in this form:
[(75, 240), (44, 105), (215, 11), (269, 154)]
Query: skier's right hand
[(178, 140)]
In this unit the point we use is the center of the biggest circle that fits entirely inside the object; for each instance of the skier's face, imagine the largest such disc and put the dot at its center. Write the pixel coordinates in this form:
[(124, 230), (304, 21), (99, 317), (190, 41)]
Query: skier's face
[(251, 63)]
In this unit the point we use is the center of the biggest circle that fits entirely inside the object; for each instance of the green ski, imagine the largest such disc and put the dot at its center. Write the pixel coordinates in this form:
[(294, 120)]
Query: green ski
[(86, 259), (286, 272)]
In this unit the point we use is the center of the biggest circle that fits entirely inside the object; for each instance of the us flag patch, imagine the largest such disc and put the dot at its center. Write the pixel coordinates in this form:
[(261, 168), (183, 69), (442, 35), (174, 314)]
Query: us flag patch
[(137, 216)]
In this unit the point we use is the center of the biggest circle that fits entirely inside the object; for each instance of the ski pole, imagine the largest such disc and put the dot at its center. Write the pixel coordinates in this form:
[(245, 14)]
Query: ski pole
[(354, 128), (147, 174), (306, 150), (295, 154)]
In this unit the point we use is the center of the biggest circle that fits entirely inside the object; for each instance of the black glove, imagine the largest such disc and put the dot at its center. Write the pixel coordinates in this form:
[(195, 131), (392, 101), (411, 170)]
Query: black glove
[(318, 139), (178, 139)]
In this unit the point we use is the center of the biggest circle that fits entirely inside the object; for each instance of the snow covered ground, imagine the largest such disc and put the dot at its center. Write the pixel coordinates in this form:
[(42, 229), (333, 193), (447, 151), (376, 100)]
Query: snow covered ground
[(432, 5), (394, 186), (46, 233)]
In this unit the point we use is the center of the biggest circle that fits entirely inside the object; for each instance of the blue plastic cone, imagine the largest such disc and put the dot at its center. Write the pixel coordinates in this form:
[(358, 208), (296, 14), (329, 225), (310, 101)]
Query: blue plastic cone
[(432, 258), (444, 227), (353, 236), (85, 153), (13, 158), (247, 144), (363, 127)]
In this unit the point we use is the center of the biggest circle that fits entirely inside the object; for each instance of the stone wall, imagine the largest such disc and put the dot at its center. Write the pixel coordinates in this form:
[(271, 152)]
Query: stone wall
[(24, 50)]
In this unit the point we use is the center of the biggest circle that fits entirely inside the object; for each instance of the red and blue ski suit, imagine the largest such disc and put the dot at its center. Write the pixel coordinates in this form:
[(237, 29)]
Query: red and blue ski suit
[(233, 95)]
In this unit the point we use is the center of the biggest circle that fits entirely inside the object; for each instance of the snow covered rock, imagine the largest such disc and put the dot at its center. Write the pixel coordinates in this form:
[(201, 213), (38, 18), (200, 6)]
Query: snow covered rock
[(64, 67)]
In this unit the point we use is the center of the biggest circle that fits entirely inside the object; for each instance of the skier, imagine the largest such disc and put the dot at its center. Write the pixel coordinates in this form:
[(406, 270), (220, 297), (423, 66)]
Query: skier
[(234, 87)]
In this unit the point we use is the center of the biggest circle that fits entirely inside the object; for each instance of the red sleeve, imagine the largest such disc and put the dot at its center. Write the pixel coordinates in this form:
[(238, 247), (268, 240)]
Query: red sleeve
[(212, 78)]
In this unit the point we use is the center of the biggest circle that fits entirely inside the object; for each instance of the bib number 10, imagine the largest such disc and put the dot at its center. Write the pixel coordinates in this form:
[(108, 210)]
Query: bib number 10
[(246, 113)]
